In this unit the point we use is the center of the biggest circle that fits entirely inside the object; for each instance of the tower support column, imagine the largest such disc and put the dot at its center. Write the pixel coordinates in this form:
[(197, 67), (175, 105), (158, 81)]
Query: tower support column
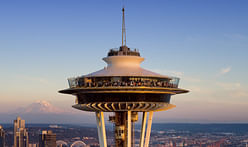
[(101, 129), (148, 131), (129, 129), (143, 129)]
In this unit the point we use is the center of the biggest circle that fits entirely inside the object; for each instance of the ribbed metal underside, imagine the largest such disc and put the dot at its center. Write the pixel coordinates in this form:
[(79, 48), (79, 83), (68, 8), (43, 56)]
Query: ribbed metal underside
[(124, 106)]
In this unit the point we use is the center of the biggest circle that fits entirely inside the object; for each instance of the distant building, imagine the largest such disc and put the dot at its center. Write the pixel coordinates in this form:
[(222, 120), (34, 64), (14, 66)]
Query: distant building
[(2, 137), (47, 139), (32, 145), (20, 133)]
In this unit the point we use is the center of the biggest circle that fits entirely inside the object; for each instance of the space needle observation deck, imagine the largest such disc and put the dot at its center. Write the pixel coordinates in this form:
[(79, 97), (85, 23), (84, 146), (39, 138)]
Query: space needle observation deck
[(125, 88)]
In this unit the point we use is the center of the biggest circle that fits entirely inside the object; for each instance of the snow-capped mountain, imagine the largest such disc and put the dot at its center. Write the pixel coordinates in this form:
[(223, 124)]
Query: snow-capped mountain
[(41, 107), (45, 112)]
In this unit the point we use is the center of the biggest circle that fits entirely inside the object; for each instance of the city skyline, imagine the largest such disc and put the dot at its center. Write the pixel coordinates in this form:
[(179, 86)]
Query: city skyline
[(204, 43)]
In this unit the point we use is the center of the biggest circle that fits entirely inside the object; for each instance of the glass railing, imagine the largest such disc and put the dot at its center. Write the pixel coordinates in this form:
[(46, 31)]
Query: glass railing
[(73, 82), (91, 82), (174, 81)]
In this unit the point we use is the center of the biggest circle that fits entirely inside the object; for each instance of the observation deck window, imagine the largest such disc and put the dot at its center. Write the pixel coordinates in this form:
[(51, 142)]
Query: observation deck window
[(123, 82)]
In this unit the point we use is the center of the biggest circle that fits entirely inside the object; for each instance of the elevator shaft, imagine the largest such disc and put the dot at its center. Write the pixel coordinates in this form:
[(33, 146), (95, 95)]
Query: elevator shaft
[(124, 128)]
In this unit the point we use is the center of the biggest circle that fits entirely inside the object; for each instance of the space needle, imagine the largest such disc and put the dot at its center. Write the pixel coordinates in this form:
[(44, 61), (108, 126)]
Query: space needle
[(125, 88)]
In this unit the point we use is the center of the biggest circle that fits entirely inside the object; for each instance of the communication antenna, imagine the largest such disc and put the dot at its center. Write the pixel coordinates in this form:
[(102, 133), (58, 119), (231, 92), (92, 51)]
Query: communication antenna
[(124, 41)]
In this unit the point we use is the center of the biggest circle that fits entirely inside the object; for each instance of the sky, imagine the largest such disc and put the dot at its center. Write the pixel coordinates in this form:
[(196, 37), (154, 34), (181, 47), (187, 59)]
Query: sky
[(204, 42)]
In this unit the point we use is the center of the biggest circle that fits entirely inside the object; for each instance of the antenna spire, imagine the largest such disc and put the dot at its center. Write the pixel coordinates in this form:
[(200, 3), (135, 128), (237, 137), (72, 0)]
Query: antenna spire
[(123, 28)]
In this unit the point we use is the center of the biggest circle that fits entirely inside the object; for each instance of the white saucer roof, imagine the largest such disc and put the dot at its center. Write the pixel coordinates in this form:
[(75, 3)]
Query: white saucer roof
[(124, 66), (130, 72)]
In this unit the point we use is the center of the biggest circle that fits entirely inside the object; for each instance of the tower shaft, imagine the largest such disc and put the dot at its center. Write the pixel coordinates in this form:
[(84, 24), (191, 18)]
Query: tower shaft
[(124, 128)]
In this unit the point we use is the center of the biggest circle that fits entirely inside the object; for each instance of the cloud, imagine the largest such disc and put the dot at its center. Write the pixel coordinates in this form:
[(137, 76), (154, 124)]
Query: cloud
[(224, 71)]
